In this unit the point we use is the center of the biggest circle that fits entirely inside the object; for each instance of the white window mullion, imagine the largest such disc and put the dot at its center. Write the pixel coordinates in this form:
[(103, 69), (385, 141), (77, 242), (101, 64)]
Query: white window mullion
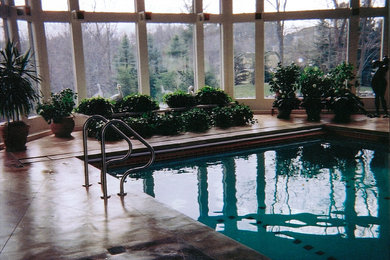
[(78, 52), (199, 71), (142, 46), (40, 47), (227, 47)]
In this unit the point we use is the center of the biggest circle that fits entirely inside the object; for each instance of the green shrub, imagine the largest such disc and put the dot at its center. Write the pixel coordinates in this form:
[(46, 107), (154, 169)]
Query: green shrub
[(179, 99), (136, 103), (95, 106), (144, 125), (208, 95), (169, 124), (242, 115), (196, 120), (223, 117)]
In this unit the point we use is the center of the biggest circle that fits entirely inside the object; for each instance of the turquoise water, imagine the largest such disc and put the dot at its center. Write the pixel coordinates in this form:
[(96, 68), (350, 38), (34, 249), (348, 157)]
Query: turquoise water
[(317, 200)]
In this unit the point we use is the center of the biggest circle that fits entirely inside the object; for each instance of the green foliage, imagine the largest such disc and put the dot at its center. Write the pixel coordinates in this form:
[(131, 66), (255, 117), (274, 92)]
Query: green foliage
[(284, 81), (223, 117), (59, 106), (196, 120), (144, 125), (179, 99), (169, 124), (17, 78), (95, 106), (208, 95), (311, 82), (242, 115), (341, 99), (126, 67), (136, 103)]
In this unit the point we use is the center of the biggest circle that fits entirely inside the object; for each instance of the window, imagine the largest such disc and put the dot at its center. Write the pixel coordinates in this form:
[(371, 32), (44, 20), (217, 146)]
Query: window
[(244, 60), (23, 35), (244, 6), (211, 6), (299, 5), (107, 5), (58, 5), (169, 6), (372, 3), (59, 48), (321, 43), (110, 58), (2, 34), (171, 54), (212, 55), (369, 49)]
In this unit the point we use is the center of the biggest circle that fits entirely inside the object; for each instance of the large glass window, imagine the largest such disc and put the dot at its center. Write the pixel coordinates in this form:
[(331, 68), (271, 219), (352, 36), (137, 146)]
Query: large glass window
[(2, 35), (169, 6), (58, 5), (244, 60), (110, 58), (299, 5), (244, 6), (322, 43), (369, 50), (212, 55), (211, 6), (170, 58), (107, 5), (23, 35), (59, 48), (372, 3)]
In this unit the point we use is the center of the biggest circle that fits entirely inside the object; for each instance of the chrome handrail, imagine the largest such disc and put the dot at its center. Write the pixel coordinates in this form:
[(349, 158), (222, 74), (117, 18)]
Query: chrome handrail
[(85, 145), (105, 163)]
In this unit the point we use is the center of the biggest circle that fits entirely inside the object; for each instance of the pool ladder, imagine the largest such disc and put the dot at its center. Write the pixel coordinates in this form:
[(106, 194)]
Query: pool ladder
[(106, 162)]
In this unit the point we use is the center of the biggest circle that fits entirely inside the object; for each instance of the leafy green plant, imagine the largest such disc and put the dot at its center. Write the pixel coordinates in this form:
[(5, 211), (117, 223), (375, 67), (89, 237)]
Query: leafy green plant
[(18, 93), (284, 84), (223, 117), (242, 115), (312, 87), (136, 103), (179, 99), (208, 95), (60, 105), (169, 124), (143, 125), (284, 81), (341, 99), (196, 120), (95, 106)]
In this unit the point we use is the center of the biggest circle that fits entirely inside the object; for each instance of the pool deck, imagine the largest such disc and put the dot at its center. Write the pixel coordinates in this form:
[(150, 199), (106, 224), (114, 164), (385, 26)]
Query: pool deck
[(46, 213)]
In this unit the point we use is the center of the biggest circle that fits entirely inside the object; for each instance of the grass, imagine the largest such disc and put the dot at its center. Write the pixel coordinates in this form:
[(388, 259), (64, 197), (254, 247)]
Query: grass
[(248, 91)]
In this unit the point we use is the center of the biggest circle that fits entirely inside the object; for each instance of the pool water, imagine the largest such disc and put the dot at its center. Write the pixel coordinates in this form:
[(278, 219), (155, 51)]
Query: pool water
[(318, 200)]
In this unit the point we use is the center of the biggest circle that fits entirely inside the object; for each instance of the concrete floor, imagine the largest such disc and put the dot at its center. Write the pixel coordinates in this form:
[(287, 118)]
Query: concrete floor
[(46, 213)]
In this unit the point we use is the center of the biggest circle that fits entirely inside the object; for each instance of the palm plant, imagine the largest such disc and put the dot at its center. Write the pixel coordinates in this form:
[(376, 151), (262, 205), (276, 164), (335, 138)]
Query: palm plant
[(18, 94)]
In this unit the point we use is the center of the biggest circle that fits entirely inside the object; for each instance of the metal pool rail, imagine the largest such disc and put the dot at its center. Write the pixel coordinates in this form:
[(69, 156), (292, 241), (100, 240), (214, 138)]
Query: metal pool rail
[(106, 162)]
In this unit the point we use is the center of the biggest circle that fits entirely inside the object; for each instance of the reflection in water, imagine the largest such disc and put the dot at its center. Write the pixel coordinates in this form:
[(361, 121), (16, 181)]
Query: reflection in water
[(318, 199)]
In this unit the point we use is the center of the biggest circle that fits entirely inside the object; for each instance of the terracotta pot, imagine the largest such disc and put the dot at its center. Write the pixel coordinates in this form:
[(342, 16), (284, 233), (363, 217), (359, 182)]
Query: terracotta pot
[(14, 135), (63, 128)]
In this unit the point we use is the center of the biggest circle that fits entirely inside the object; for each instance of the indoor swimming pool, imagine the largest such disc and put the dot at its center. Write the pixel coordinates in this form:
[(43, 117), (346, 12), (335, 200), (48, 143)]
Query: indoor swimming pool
[(313, 200)]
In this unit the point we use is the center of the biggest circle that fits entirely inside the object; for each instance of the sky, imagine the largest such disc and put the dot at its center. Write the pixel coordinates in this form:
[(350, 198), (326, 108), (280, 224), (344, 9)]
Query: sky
[(177, 6)]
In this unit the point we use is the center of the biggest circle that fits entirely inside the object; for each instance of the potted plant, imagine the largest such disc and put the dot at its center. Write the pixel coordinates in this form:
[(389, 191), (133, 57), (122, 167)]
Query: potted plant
[(341, 99), (212, 96), (284, 83), (18, 95), (179, 99), (57, 112), (136, 103), (311, 83)]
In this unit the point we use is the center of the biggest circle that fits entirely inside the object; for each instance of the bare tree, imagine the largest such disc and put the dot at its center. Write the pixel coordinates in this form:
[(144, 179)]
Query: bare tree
[(280, 6)]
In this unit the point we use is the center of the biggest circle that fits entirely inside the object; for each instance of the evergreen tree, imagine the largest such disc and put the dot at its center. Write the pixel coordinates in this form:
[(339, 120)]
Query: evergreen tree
[(127, 67)]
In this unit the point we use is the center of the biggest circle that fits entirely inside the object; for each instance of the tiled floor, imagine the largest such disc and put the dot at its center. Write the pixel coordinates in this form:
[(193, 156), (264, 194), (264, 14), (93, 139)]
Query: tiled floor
[(45, 213)]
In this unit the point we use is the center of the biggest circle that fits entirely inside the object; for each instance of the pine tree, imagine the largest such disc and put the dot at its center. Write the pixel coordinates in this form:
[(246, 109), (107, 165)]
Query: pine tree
[(127, 67)]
